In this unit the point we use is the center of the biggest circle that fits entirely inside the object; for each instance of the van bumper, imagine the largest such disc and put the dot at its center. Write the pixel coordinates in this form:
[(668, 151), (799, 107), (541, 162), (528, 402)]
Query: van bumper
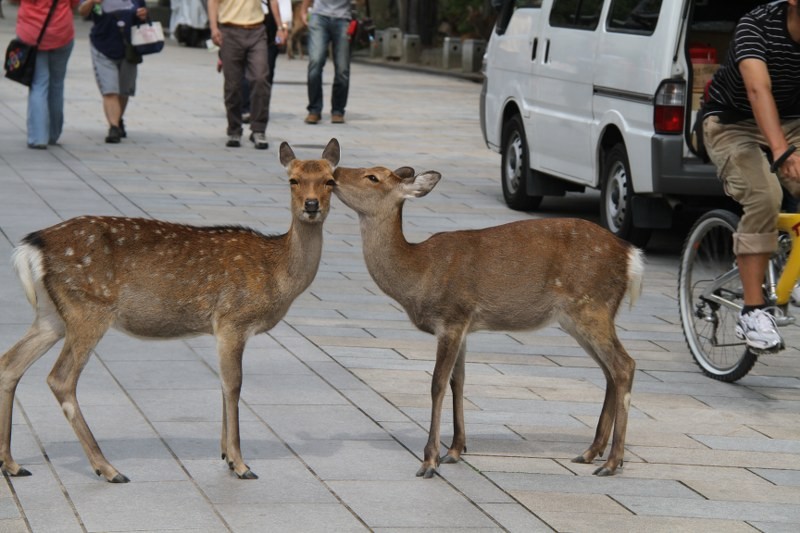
[(676, 175)]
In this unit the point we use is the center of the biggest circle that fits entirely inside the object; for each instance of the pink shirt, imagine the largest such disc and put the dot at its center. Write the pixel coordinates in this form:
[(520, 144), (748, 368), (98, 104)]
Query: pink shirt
[(60, 30)]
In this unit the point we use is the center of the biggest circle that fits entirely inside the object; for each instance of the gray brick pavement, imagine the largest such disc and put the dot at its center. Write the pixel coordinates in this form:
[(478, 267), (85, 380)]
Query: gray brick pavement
[(335, 403)]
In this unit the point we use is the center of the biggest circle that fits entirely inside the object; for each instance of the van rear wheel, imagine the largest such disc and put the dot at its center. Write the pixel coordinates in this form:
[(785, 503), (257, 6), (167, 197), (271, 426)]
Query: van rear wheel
[(515, 167), (616, 196)]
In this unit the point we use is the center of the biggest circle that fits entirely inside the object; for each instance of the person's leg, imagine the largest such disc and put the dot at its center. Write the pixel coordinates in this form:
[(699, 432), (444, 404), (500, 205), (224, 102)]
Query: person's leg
[(257, 75), (341, 62), (233, 56), (58, 72), (736, 150), (272, 46), (317, 52), (38, 117)]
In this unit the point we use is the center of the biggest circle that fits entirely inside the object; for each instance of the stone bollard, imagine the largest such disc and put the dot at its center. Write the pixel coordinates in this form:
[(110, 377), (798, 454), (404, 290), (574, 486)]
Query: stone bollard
[(452, 53), (411, 48), (376, 46), (472, 51), (392, 43)]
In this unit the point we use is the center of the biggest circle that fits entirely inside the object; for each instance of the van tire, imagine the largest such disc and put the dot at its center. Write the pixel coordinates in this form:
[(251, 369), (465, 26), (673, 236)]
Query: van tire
[(616, 195), (515, 167)]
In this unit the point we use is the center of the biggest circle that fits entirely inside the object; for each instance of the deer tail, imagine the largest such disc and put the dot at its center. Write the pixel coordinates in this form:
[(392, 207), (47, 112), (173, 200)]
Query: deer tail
[(27, 260), (635, 274)]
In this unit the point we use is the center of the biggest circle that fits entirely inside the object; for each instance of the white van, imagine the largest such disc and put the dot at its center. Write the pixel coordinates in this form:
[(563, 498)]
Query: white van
[(602, 94)]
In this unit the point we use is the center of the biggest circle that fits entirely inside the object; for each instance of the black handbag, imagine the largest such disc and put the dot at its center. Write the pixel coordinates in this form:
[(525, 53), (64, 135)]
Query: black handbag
[(20, 59)]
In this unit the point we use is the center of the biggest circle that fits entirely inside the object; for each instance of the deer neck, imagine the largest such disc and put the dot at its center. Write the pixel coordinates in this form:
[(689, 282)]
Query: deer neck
[(304, 253), (391, 260)]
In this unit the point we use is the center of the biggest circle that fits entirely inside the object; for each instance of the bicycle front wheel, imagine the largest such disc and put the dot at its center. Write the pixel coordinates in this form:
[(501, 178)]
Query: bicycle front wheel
[(710, 297)]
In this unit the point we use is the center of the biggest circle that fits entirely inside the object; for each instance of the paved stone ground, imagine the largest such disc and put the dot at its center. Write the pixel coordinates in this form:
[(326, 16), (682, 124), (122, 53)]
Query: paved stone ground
[(335, 405)]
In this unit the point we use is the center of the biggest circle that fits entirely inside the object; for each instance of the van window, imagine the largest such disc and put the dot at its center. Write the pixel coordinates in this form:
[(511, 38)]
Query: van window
[(578, 14), (506, 8), (634, 16)]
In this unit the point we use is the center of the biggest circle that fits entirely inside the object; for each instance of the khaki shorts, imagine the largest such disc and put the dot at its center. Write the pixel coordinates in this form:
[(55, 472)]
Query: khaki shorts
[(113, 76), (737, 150)]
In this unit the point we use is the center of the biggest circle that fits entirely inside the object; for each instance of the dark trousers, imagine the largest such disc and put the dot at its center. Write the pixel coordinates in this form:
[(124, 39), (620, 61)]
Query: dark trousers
[(272, 55), (244, 55)]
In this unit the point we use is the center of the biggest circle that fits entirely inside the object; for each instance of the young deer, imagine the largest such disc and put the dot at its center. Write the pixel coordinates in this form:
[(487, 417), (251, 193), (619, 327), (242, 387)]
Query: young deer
[(517, 276), (161, 280)]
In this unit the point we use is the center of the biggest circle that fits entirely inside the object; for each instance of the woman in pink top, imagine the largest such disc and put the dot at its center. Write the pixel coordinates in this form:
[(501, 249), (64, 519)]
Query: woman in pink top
[(46, 94)]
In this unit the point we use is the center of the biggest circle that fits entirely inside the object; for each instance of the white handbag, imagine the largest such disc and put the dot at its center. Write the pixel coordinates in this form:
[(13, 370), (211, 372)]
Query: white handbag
[(147, 37)]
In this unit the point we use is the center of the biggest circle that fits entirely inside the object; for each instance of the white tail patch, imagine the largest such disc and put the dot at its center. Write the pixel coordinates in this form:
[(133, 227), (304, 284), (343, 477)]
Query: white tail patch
[(27, 260), (635, 274)]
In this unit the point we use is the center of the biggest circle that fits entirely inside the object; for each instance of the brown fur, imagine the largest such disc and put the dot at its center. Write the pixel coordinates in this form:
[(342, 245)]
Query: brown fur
[(157, 279), (517, 276)]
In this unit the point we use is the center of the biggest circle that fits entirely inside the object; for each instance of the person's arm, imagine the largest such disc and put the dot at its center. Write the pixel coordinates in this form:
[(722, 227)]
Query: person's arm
[(304, 10), (141, 10), (86, 7), (759, 92), (283, 28), (213, 17)]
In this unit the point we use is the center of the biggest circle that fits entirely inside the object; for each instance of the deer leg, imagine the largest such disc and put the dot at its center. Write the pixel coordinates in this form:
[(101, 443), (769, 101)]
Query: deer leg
[(459, 444), (63, 381), (446, 357), (622, 367), (231, 349), (39, 338), (618, 367)]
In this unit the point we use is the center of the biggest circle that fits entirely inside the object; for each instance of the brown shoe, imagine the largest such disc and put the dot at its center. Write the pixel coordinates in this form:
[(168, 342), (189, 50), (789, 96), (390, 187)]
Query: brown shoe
[(312, 118), (337, 119)]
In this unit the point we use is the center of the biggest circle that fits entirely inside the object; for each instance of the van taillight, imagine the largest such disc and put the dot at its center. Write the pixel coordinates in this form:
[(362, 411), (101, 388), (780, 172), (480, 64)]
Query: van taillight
[(670, 102)]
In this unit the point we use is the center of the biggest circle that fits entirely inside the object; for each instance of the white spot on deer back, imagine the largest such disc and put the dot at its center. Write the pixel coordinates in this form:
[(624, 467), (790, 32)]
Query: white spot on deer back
[(69, 252)]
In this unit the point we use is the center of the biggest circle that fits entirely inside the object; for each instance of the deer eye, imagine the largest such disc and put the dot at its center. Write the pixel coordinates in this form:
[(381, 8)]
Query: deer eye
[(372, 178), (292, 181), (330, 183)]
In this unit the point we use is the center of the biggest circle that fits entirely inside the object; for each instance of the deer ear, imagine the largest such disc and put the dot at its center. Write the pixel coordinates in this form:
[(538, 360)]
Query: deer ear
[(404, 172), (332, 152), (421, 185), (286, 154)]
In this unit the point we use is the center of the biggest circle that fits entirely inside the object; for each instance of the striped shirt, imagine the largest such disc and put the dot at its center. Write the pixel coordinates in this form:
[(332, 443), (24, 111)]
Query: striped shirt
[(760, 34)]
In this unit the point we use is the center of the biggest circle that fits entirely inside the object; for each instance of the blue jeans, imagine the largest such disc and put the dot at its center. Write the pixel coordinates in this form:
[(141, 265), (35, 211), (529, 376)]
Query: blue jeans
[(46, 96), (323, 30)]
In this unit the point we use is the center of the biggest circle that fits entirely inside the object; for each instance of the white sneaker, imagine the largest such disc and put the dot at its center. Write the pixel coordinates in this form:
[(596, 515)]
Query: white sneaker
[(758, 329), (259, 140)]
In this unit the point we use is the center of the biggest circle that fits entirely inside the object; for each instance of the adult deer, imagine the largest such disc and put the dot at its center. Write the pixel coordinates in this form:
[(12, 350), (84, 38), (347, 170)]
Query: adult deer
[(156, 279), (517, 276)]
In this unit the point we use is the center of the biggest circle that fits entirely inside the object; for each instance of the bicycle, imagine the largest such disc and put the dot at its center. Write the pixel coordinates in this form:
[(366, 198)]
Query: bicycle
[(710, 294)]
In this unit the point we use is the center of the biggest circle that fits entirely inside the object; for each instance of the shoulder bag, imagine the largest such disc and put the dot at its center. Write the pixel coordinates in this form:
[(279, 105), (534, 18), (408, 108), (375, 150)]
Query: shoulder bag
[(20, 59)]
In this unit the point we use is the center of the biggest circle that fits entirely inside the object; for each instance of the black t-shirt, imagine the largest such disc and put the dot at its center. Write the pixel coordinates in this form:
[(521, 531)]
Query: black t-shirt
[(108, 29), (760, 34)]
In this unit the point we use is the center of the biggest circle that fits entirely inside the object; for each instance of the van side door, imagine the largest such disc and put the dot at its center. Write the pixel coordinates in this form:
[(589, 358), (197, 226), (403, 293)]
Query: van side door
[(562, 85)]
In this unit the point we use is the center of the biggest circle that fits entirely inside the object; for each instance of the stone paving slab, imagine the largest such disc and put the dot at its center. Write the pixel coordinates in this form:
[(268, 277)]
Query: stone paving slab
[(336, 398)]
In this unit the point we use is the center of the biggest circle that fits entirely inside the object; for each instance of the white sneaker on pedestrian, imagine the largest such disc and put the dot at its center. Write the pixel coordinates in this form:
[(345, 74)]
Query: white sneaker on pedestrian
[(259, 140), (758, 329)]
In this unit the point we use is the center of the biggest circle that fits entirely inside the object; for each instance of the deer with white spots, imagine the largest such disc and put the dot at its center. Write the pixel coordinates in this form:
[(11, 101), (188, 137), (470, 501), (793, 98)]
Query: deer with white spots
[(161, 280), (518, 276)]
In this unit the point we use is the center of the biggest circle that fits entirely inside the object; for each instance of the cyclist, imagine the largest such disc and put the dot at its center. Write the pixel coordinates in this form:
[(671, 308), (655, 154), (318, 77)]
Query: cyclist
[(754, 109)]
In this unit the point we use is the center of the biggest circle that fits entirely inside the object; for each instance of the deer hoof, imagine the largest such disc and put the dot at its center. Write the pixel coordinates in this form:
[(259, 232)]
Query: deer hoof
[(580, 459), (119, 478), (426, 472), (604, 471), (247, 474), (448, 459), (22, 472)]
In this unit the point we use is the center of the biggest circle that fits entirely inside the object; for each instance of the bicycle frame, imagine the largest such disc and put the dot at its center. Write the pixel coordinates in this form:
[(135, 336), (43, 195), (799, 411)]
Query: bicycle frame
[(780, 289)]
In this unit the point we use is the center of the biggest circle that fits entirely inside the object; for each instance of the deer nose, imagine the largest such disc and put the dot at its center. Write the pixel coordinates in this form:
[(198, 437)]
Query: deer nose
[(312, 206)]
